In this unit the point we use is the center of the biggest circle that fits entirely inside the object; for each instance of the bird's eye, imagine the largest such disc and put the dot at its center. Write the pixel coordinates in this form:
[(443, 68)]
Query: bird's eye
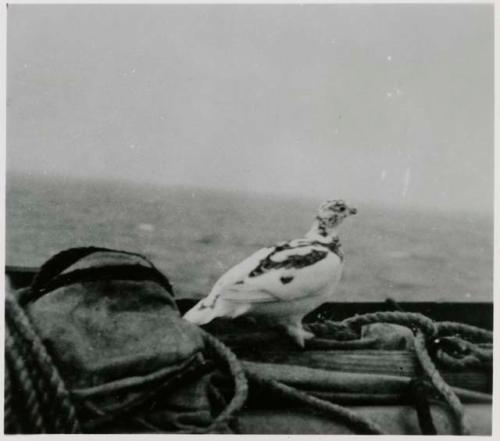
[(341, 209)]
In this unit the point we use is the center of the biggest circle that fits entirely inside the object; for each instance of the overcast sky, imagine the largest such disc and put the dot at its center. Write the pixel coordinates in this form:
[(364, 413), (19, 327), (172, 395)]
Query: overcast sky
[(386, 103)]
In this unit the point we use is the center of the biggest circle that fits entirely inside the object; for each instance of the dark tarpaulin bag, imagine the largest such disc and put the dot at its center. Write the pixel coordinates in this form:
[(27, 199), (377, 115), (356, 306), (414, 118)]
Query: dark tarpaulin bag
[(130, 362)]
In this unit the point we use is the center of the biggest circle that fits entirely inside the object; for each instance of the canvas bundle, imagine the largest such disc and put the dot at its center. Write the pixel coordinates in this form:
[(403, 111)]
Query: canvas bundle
[(110, 323)]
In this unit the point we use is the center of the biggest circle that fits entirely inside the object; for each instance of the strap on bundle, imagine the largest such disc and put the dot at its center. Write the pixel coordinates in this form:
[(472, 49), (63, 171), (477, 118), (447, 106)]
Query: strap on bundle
[(36, 397), (37, 400)]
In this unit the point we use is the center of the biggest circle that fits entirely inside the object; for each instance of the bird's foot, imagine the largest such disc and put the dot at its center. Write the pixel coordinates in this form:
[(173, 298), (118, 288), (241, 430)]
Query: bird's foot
[(299, 335)]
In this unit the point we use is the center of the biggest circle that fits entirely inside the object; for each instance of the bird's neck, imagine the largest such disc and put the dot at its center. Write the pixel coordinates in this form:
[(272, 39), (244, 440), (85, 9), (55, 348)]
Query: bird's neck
[(321, 233)]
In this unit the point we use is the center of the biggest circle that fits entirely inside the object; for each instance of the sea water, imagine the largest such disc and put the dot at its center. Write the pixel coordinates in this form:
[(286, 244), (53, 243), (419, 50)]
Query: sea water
[(195, 235)]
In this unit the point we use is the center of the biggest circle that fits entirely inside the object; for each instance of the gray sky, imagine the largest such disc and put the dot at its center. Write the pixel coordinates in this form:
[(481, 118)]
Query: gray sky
[(386, 103)]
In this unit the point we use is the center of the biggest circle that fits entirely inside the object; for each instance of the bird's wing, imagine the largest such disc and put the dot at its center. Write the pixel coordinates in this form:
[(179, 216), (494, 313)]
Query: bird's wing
[(285, 274), (239, 271)]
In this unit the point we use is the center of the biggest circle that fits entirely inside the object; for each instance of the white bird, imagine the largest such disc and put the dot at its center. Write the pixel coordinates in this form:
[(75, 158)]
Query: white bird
[(282, 283)]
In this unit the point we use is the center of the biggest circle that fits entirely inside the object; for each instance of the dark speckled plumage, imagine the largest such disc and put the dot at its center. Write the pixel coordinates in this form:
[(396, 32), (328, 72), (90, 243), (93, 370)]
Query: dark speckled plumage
[(297, 260), (286, 280)]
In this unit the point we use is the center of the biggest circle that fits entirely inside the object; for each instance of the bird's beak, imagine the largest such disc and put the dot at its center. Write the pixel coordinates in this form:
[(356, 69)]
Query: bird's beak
[(353, 211)]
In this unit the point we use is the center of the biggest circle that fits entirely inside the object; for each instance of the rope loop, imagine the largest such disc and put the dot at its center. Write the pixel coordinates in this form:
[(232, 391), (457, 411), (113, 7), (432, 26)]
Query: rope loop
[(456, 353), (449, 361), (224, 354), (411, 320), (467, 352), (437, 380), (461, 346), (468, 332)]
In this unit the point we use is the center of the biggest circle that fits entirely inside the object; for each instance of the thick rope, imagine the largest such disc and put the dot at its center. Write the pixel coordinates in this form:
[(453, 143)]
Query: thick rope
[(20, 334), (463, 354), (470, 340), (425, 329), (29, 398), (11, 423), (225, 355), (133, 409), (469, 332), (355, 422), (435, 377), (449, 361), (409, 319), (39, 388)]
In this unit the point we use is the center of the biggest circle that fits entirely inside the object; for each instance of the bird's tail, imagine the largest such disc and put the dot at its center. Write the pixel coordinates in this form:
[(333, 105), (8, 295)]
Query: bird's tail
[(200, 314)]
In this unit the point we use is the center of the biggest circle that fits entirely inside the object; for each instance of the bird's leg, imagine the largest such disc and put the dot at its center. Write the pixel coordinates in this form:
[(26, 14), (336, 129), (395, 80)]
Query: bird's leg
[(298, 334)]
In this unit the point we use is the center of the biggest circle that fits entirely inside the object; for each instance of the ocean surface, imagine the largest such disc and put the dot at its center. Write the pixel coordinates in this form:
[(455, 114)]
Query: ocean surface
[(195, 235)]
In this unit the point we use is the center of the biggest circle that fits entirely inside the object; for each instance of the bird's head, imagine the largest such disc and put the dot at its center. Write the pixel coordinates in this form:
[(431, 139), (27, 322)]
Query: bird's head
[(332, 213)]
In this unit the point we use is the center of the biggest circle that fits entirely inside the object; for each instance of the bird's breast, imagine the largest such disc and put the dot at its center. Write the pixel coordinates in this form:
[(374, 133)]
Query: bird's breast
[(297, 307)]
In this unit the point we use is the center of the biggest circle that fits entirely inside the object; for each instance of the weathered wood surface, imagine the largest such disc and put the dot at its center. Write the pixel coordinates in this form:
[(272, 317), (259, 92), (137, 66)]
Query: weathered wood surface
[(381, 363), (269, 346)]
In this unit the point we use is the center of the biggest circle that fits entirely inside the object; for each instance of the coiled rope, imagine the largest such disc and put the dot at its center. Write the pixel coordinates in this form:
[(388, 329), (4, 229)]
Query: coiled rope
[(224, 354), (37, 400), (426, 330), (441, 386), (42, 403)]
